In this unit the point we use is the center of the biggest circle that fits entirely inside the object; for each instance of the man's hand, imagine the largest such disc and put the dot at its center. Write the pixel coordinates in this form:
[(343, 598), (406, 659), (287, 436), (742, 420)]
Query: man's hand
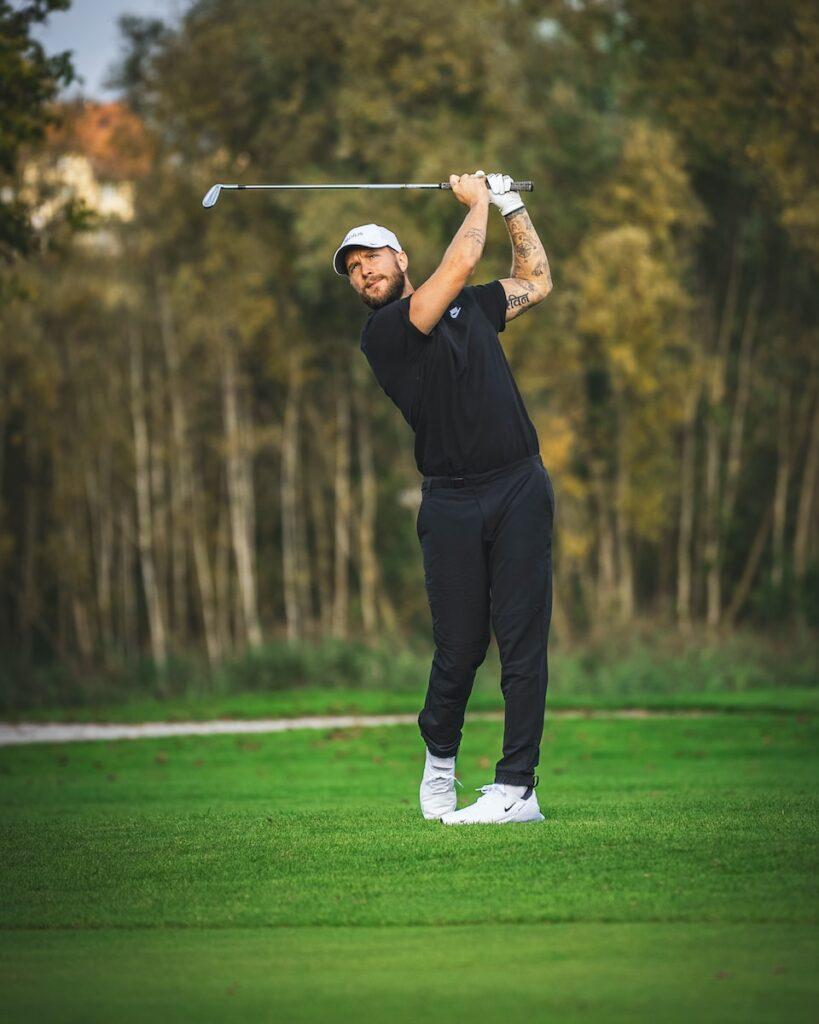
[(470, 189), (501, 196)]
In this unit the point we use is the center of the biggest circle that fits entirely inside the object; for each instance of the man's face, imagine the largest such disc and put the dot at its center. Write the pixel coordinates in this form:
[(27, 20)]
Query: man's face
[(378, 275)]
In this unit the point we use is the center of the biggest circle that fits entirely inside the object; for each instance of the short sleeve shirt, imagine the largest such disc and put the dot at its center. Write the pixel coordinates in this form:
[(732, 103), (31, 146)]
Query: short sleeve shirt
[(454, 386)]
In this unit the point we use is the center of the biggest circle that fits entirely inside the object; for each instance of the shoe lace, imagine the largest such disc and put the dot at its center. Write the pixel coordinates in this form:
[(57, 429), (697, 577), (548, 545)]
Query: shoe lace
[(440, 782), (486, 790)]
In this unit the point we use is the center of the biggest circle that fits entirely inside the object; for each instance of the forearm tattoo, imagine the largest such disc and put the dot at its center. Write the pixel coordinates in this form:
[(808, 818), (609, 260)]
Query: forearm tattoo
[(477, 237), (529, 257)]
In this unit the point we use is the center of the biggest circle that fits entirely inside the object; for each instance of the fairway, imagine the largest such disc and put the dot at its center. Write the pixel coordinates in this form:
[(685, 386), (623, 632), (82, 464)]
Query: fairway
[(291, 877)]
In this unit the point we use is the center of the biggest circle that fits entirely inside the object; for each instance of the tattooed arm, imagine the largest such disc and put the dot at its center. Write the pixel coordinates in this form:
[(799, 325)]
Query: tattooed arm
[(530, 280), (429, 302)]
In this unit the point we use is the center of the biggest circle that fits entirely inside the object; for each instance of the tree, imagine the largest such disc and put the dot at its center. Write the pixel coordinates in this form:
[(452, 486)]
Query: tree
[(29, 81)]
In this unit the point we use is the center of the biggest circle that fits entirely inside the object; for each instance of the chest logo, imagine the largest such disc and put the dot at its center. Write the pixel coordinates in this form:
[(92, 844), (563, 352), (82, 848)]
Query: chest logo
[(454, 312)]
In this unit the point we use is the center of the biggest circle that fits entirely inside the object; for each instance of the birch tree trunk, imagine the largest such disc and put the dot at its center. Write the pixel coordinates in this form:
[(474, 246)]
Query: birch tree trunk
[(323, 555), (322, 473), (746, 579), (100, 504), (159, 491), (736, 431), (292, 550), (3, 419), (178, 478), (27, 609), (807, 494), (83, 631), (145, 540), (687, 505), (186, 496), (224, 602), (368, 563), (128, 626), (716, 392), (783, 474), (606, 571), (343, 514), (241, 498), (625, 566)]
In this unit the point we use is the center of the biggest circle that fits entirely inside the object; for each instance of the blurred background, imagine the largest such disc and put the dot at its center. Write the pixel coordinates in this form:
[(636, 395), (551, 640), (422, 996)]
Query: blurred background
[(202, 488)]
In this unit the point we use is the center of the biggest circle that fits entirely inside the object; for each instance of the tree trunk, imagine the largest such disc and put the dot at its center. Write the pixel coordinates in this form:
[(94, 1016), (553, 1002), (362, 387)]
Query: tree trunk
[(323, 556), (783, 475), (735, 437), (343, 513), (145, 539), (716, 392), (293, 556), (27, 609), (687, 505), (743, 587), (807, 492), (128, 624), (241, 498), (99, 503), (224, 602), (322, 472), (4, 406), (368, 563), (606, 572), (159, 490), (186, 497), (625, 565), (83, 631), (178, 478)]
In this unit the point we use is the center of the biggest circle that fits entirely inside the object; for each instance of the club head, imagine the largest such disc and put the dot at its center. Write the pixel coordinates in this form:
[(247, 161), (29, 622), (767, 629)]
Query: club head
[(212, 196)]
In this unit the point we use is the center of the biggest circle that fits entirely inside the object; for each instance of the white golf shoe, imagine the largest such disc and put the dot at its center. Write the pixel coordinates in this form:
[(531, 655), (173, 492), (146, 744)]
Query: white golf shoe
[(438, 786), (495, 807)]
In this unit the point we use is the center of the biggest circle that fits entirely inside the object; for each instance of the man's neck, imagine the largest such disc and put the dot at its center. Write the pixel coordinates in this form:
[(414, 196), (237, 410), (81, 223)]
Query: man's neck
[(408, 289)]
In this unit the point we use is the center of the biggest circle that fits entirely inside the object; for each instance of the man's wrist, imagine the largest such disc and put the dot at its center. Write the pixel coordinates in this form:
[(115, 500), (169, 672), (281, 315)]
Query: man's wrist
[(511, 213)]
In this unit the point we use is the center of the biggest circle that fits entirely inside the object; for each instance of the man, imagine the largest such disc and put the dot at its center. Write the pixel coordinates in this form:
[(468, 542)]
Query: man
[(487, 507)]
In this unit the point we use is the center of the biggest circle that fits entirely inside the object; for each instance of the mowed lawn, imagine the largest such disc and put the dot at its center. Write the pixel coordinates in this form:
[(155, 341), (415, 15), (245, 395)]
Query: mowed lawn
[(291, 878)]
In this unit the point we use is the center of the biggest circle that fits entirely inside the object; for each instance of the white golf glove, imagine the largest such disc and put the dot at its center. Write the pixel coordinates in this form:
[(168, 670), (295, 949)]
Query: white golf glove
[(500, 195)]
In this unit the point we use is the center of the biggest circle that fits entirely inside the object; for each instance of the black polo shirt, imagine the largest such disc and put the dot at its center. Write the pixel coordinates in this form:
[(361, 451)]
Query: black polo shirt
[(453, 386)]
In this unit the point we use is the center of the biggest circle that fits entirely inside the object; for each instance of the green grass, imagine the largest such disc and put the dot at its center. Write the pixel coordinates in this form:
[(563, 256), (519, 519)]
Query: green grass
[(296, 703), (505, 974), (291, 877)]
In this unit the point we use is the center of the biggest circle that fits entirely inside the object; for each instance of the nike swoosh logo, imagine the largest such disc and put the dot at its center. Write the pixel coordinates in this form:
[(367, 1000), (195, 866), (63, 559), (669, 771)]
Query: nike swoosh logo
[(509, 808)]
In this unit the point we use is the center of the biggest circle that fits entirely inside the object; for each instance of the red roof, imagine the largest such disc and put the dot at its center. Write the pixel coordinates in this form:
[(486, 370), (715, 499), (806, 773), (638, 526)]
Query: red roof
[(109, 134)]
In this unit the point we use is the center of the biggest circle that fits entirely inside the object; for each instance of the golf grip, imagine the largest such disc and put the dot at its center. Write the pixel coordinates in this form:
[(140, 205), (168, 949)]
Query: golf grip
[(516, 186)]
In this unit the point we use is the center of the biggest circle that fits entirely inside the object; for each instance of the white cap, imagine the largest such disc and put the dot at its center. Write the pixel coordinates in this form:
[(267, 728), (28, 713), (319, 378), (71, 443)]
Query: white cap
[(370, 236)]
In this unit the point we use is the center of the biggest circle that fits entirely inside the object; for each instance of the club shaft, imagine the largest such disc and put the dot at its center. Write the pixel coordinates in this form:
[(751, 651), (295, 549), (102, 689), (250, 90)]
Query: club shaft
[(516, 186)]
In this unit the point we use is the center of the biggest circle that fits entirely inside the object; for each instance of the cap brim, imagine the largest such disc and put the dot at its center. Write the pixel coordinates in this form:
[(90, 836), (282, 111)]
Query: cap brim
[(339, 265)]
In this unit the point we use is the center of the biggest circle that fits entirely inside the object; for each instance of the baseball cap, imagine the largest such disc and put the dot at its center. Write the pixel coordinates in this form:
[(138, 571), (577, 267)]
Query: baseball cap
[(368, 236)]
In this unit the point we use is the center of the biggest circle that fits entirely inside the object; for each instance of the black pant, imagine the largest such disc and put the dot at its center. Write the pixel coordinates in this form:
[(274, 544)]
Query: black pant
[(487, 543)]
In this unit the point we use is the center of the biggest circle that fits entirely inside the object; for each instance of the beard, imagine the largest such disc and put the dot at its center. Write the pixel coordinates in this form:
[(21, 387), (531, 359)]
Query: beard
[(393, 290)]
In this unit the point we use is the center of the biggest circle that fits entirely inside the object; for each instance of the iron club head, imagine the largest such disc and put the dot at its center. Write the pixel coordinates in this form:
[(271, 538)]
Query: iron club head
[(212, 196)]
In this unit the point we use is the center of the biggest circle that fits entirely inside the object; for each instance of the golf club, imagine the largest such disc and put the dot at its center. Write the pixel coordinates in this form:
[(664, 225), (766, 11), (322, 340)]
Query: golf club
[(212, 195)]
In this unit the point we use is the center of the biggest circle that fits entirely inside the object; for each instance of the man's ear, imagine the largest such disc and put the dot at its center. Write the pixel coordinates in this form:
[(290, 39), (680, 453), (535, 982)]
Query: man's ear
[(403, 261)]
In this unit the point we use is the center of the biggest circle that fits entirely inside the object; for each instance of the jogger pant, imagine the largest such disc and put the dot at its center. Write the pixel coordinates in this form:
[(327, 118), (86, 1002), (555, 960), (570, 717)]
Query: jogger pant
[(487, 545)]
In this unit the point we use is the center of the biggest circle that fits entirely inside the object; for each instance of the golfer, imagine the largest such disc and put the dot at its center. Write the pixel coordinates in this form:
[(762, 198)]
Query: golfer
[(487, 504)]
